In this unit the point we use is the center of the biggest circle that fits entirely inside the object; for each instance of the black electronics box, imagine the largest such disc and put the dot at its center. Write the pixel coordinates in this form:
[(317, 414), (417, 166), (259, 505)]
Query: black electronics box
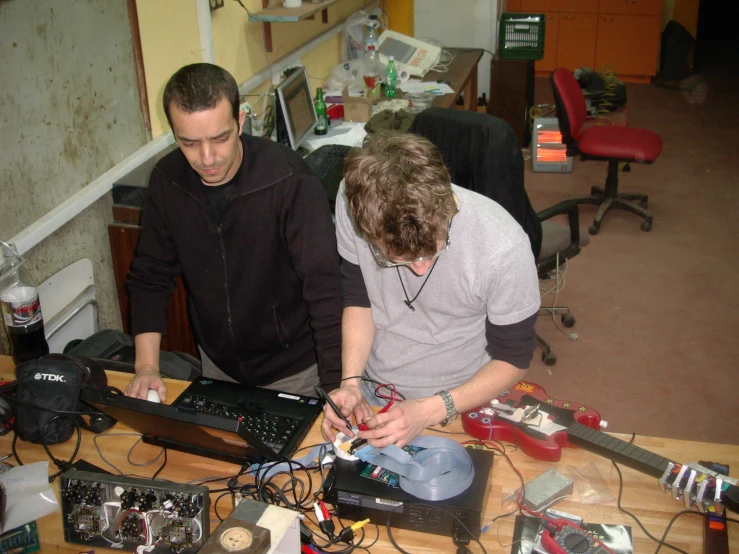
[(357, 497)]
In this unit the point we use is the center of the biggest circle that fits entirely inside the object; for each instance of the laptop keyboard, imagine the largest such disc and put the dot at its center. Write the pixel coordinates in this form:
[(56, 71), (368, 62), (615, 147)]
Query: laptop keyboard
[(272, 430)]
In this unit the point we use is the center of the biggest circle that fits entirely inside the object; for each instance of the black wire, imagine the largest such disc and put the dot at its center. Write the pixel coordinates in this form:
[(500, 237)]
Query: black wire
[(63, 466), (628, 513), (215, 505), (161, 467), (669, 526)]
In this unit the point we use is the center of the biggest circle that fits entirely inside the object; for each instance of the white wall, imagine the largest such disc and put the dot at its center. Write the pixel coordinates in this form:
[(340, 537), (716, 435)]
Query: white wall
[(461, 23), (69, 111)]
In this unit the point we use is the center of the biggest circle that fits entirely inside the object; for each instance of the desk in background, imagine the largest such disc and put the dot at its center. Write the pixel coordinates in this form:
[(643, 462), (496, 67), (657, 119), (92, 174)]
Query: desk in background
[(641, 495), (461, 76)]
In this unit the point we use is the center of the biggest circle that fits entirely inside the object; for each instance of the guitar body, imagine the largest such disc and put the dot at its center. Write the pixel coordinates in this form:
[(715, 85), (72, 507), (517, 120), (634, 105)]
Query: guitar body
[(482, 424)]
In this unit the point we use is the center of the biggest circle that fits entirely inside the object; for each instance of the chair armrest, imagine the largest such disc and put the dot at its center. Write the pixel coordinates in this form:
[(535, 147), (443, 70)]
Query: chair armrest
[(570, 208)]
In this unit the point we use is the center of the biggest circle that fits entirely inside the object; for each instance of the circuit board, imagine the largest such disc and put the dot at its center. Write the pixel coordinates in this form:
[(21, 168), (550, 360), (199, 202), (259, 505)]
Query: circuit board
[(123, 512), (21, 540)]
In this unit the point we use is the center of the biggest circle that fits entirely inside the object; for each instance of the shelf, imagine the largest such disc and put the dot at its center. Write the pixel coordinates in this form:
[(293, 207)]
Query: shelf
[(291, 15)]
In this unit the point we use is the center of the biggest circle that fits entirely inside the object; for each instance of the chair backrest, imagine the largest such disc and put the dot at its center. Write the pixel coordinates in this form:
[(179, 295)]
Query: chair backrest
[(483, 154), (571, 109)]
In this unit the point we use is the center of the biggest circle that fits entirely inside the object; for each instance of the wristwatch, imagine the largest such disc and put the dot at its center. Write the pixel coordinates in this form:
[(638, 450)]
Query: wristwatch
[(451, 409)]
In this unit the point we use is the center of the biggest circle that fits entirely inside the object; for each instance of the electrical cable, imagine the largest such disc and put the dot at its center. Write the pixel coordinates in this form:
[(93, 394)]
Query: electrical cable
[(164, 463)]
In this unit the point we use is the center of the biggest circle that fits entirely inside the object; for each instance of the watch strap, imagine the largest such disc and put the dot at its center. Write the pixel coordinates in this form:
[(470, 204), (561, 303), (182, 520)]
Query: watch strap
[(451, 409)]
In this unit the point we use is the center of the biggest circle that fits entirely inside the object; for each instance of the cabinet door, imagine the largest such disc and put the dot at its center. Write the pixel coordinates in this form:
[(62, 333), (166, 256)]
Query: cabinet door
[(631, 7), (551, 33), (576, 43), (180, 337), (579, 6), (513, 6), (540, 6), (629, 42)]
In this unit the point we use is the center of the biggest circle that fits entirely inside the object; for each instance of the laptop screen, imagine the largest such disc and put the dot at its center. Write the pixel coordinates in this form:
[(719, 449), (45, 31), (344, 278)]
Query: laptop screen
[(201, 434)]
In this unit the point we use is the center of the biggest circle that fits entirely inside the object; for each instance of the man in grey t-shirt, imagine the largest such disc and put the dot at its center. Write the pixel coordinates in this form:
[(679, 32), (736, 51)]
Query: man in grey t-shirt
[(440, 292)]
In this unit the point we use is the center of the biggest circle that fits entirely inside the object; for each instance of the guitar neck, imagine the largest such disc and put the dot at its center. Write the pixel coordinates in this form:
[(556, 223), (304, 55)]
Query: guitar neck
[(617, 450), (635, 457)]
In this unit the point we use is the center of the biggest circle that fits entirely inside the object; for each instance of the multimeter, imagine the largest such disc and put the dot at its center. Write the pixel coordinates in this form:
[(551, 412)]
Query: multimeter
[(564, 537)]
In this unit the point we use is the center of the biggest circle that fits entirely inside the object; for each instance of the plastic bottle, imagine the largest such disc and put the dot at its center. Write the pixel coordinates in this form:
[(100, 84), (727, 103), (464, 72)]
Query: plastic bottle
[(391, 78), (21, 308), (321, 127), (372, 68)]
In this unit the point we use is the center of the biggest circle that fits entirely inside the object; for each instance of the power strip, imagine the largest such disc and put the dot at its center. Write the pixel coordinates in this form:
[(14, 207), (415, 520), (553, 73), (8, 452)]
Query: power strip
[(111, 511)]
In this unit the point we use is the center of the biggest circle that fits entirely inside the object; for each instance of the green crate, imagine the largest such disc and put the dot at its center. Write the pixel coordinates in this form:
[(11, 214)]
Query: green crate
[(521, 36)]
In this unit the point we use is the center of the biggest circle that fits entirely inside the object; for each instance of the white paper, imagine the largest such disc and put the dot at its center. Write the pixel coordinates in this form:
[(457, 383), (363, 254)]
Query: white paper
[(29, 496), (346, 134), (426, 86)]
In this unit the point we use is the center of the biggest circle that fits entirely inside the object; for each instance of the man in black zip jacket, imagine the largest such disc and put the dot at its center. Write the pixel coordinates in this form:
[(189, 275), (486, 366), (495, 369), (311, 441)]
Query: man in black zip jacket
[(247, 226)]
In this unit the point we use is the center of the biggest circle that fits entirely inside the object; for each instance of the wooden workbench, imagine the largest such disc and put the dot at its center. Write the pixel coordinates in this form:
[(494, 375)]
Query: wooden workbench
[(641, 495)]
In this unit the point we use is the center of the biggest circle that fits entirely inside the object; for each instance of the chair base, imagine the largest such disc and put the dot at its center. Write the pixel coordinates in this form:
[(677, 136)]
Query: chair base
[(610, 199), (568, 320)]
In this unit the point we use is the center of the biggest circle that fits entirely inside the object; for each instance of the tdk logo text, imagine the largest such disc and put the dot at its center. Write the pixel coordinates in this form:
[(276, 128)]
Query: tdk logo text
[(49, 377)]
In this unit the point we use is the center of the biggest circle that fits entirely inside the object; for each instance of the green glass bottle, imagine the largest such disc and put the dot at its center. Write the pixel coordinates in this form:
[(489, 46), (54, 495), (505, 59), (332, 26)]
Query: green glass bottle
[(391, 78), (322, 124)]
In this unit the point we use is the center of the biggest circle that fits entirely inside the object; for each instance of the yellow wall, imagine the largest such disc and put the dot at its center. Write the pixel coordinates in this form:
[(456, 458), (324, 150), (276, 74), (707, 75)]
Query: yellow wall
[(400, 13), (170, 39)]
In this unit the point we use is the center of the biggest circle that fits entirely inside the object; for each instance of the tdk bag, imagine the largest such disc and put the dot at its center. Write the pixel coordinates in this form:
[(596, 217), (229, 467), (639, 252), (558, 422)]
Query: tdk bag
[(48, 397)]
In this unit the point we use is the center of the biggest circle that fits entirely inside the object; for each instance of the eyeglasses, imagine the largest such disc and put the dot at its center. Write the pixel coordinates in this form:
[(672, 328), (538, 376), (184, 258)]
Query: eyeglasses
[(382, 261)]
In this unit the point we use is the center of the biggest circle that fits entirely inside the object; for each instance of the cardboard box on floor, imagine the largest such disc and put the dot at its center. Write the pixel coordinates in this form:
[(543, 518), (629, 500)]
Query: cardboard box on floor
[(356, 108)]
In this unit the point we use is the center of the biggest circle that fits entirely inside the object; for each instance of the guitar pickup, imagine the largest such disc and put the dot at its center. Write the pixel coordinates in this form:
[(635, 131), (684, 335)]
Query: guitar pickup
[(530, 413)]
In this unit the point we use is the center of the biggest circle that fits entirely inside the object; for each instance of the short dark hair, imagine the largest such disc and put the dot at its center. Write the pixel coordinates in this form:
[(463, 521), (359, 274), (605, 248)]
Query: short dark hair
[(399, 193), (200, 86)]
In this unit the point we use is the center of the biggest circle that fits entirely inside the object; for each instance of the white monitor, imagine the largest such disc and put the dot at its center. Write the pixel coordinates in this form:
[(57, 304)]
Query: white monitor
[(296, 105)]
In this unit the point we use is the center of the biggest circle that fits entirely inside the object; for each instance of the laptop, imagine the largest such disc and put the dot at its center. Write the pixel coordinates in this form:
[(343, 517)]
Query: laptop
[(217, 419)]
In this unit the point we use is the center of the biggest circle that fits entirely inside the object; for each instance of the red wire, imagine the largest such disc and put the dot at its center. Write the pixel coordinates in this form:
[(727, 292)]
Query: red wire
[(379, 393)]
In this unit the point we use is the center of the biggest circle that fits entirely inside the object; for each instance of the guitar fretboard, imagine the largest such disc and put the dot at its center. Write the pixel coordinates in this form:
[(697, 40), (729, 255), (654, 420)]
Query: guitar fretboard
[(617, 450)]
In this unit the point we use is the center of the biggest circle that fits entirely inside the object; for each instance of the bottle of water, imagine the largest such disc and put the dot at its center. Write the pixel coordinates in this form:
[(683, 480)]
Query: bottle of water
[(372, 68), (391, 78)]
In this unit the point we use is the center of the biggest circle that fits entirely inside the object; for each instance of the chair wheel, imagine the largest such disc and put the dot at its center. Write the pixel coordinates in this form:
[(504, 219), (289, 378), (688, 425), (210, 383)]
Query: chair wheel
[(646, 226), (627, 168), (548, 358), (568, 320), (593, 230)]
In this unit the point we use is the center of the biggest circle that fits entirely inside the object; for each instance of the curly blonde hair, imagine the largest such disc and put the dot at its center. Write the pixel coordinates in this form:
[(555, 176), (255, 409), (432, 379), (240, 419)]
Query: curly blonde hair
[(399, 194)]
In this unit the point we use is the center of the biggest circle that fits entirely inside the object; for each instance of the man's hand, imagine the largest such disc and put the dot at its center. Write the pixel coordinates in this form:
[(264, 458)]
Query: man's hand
[(401, 423), (147, 377), (349, 400)]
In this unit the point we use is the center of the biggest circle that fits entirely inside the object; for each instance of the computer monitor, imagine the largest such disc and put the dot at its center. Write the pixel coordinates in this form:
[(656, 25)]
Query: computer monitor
[(296, 107)]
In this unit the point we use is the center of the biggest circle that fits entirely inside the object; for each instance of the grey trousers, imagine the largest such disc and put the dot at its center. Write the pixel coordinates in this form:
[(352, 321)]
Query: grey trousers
[(301, 383)]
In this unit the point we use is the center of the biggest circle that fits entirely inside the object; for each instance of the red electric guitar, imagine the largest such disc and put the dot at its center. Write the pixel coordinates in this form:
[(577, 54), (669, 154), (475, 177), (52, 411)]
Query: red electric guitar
[(483, 424), (518, 417)]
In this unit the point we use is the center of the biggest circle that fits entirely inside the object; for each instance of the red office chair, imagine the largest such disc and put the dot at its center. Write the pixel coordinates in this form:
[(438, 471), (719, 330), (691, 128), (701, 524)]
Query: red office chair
[(612, 144)]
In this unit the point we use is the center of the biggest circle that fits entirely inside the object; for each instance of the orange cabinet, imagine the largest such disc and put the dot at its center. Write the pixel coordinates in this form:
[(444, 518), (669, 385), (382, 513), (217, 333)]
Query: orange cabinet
[(577, 39), (591, 33), (551, 36), (540, 6), (631, 7), (579, 6), (629, 42)]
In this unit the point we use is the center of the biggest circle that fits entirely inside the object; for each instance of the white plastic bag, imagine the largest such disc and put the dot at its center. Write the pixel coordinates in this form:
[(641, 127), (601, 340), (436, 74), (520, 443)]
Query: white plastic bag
[(29, 495)]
